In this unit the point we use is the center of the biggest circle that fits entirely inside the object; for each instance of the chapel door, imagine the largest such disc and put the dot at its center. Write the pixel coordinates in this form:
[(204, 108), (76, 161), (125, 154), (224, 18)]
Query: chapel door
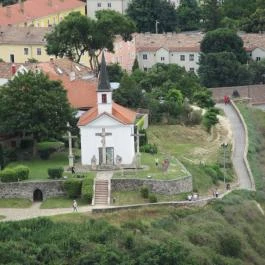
[(109, 155)]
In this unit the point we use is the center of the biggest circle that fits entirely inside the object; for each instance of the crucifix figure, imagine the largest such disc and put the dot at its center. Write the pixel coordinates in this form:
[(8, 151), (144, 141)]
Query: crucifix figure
[(70, 155), (103, 135), (138, 158)]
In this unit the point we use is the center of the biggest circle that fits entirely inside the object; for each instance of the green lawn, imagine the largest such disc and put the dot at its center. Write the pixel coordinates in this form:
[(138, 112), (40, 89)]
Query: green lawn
[(39, 167), (134, 197), (15, 203), (60, 202)]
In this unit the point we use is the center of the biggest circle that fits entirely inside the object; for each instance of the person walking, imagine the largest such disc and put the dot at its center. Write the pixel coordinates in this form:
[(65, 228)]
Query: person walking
[(74, 206)]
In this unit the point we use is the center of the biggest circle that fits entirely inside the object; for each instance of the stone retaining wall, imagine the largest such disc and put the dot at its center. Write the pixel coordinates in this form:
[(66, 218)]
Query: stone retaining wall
[(26, 190), (157, 186)]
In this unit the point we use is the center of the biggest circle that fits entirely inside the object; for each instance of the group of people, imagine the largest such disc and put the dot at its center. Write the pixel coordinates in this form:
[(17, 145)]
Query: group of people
[(193, 197)]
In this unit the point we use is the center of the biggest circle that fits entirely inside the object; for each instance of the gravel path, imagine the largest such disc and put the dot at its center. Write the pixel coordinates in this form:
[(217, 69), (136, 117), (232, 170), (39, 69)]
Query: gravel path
[(239, 146)]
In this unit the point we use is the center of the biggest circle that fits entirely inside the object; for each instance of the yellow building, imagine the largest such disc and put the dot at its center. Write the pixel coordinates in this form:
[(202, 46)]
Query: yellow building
[(39, 13), (21, 44)]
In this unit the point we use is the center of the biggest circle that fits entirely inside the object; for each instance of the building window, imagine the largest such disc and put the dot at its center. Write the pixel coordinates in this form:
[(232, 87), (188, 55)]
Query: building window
[(182, 57), (26, 51), (99, 4), (145, 69), (109, 4), (38, 51), (191, 57), (104, 98), (162, 58), (257, 59), (144, 56), (192, 69)]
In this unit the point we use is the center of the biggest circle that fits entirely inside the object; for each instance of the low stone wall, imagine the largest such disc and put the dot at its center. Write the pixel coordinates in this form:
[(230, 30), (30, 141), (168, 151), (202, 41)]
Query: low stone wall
[(157, 186), (26, 190)]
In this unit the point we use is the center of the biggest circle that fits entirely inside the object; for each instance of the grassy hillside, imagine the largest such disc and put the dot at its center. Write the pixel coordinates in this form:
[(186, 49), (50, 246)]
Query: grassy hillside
[(229, 232)]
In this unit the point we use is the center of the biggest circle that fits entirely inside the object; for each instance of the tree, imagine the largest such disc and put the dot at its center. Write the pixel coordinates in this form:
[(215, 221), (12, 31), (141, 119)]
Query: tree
[(135, 65), (77, 34), (255, 23), (224, 40), (189, 15), (147, 13), (221, 69), (32, 103), (115, 72), (211, 14)]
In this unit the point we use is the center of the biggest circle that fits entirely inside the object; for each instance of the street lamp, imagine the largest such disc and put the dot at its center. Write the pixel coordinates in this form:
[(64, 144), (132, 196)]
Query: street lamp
[(224, 146), (157, 22)]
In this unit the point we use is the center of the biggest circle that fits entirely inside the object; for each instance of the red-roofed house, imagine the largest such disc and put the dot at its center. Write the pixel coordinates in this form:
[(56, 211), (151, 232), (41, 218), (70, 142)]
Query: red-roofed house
[(38, 13), (106, 129)]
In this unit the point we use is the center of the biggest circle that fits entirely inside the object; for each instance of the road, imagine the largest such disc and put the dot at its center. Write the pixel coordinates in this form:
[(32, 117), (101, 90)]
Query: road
[(239, 146)]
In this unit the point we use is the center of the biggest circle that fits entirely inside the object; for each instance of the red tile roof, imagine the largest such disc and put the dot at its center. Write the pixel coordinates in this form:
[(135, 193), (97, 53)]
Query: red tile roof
[(119, 113), (33, 9)]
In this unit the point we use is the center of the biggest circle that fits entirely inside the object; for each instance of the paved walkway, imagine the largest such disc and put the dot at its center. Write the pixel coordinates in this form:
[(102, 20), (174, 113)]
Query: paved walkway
[(239, 146)]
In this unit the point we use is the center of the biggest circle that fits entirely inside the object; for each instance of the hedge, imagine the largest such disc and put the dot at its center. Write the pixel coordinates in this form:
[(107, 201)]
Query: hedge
[(45, 149), (8, 175), (55, 173), (22, 172), (87, 190), (72, 188)]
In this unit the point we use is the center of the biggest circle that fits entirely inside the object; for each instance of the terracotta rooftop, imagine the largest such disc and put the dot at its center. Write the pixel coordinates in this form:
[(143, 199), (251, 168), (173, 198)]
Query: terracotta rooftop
[(120, 113), (5, 70), (23, 35), (188, 41), (33, 9)]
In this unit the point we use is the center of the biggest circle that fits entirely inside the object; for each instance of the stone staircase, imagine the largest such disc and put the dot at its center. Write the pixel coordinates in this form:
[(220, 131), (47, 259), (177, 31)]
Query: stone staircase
[(101, 192)]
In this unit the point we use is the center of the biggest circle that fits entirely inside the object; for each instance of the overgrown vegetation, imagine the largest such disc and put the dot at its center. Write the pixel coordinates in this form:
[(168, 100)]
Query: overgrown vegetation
[(228, 232)]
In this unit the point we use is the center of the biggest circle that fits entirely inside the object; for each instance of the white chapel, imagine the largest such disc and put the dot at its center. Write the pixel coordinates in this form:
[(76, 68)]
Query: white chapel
[(107, 129)]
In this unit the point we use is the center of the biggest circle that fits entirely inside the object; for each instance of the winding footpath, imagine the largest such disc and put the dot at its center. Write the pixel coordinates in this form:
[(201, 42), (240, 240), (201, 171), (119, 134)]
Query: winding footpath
[(239, 145), (244, 179)]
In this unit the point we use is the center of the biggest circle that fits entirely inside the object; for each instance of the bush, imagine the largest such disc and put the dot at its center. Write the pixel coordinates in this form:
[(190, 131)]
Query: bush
[(149, 148), (72, 188), (45, 149), (55, 173), (144, 192), (87, 190), (26, 143), (8, 175), (22, 172), (152, 198)]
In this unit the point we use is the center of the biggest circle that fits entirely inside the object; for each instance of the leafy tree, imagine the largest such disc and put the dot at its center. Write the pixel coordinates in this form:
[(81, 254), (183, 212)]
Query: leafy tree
[(135, 65), (34, 104), (211, 14), (221, 69), (115, 72), (255, 23), (238, 9), (210, 118), (189, 15), (145, 13), (78, 34), (257, 71), (224, 40), (203, 98)]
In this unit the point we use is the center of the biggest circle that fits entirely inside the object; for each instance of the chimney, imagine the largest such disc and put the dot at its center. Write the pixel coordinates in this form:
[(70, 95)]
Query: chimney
[(72, 76), (13, 69), (8, 11), (49, 2), (21, 6)]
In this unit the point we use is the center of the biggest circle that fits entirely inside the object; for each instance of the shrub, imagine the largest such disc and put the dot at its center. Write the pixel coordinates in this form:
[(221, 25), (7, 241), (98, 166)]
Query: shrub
[(22, 172), (45, 149), (149, 148), (8, 175), (235, 94), (87, 190), (144, 192), (26, 143), (152, 198), (72, 188), (55, 173), (231, 245)]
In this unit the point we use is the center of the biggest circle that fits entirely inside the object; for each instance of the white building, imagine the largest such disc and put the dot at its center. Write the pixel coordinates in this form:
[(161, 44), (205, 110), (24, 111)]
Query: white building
[(117, 5), (106, 129)]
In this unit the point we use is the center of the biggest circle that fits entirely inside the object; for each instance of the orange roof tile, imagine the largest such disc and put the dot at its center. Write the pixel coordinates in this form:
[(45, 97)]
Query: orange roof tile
[(120, 113), (33, 9)]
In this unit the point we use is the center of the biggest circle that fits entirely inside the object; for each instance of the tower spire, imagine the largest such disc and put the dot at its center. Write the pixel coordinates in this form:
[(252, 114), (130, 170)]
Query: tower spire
[(103, 82)]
